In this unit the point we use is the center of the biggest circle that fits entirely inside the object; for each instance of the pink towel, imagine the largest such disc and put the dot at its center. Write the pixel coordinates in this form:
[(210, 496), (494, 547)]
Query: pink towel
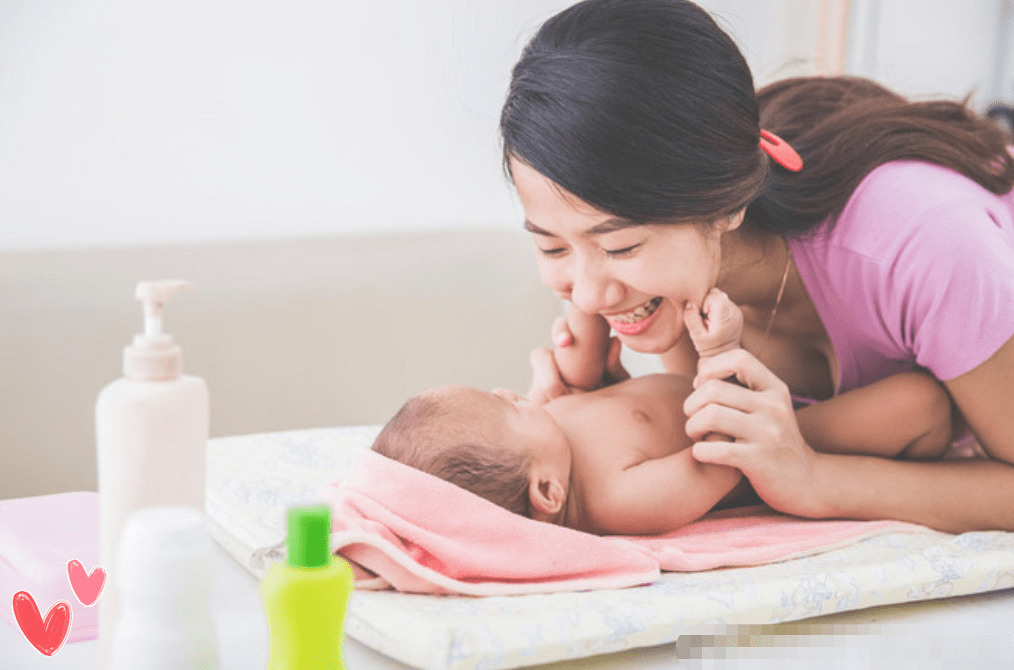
[(39, 536), (420, 534)]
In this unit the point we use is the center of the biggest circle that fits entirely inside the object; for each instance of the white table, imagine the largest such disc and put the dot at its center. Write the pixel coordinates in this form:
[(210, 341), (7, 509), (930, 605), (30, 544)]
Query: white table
[(975, 632)]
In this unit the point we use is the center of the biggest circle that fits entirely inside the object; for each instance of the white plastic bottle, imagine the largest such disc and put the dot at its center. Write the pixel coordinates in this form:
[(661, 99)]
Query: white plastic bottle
[(164, 573), (152, 432)]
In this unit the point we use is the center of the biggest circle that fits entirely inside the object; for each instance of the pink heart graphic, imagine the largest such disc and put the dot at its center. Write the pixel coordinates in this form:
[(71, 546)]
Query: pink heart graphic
[(87, 587), (46, 636)]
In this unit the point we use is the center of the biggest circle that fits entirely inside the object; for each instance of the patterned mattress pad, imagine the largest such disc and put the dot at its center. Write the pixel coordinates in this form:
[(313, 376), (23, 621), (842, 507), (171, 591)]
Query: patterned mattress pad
[(254, 479)]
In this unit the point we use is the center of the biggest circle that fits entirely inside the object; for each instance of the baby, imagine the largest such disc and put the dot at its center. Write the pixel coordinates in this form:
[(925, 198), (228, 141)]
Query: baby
[(615, 461)]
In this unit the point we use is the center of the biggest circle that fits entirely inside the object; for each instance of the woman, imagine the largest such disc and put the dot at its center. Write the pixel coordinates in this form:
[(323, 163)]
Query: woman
[(633, 135)]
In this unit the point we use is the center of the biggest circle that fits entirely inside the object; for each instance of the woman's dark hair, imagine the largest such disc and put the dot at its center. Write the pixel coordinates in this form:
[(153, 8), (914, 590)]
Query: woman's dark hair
[(642, 108), (844, 127), (646, 110)]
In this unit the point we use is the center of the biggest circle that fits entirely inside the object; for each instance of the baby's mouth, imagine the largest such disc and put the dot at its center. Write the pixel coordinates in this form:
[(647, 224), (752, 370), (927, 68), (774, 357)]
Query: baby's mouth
[(642, 312)]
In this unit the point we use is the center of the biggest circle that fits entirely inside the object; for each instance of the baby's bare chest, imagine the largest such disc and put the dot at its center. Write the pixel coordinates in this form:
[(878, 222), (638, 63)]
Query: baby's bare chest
[(636, 420)]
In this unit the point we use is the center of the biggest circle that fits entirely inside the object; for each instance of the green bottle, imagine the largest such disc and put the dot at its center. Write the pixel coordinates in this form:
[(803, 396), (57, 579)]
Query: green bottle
[(306, 597)]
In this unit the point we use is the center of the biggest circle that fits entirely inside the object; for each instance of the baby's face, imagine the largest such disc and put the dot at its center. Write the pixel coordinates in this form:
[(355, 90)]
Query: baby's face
[(513, 421)]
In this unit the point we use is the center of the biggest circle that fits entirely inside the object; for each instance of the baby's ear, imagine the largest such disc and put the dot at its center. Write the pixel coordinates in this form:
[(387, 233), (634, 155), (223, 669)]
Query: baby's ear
[(547, 496)]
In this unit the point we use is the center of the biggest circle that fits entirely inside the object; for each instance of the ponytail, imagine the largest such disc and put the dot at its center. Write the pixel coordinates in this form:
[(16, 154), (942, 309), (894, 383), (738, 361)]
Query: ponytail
[(845, 127)]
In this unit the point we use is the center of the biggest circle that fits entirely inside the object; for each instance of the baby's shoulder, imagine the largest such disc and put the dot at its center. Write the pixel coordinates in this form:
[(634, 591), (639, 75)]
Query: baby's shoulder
[(599, 456)]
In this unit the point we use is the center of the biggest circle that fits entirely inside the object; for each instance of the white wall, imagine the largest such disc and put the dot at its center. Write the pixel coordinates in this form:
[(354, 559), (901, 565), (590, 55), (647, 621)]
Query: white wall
[(1003, 73), (126, 122), (921, 48), (945, 47), (167, 121)]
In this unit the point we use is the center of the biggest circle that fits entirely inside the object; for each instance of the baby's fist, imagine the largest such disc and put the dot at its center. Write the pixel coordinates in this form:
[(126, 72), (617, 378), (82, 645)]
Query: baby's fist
[(716, 326)]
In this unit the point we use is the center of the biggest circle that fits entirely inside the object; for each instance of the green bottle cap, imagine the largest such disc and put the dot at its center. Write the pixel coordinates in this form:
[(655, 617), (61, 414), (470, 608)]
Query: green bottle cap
[(309, 540)]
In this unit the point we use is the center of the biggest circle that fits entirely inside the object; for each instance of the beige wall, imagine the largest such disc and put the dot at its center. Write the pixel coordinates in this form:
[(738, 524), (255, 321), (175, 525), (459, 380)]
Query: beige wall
[(287, 334)]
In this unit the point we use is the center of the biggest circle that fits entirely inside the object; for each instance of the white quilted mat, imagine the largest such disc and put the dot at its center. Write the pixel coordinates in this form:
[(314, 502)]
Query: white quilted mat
[(254, 479)]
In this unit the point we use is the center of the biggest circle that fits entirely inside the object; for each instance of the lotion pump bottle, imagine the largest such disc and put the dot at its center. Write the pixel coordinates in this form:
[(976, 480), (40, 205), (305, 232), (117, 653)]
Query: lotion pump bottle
[(305, 598), (151, 433)]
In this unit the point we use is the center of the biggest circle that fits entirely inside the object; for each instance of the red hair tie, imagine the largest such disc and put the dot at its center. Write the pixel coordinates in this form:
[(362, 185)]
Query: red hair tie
[(780, 151)]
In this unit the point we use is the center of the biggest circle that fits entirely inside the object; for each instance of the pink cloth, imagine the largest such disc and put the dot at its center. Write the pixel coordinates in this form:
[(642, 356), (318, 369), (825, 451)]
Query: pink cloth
[(918, 270), (39, 536), (418, 533)]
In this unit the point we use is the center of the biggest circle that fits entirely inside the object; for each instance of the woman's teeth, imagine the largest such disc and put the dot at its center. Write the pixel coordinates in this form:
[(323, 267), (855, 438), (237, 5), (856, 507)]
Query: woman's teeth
[(642, 312)]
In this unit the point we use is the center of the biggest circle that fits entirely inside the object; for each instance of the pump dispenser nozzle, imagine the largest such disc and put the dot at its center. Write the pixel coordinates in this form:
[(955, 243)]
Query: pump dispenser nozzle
[(153, 355), (153, 295)]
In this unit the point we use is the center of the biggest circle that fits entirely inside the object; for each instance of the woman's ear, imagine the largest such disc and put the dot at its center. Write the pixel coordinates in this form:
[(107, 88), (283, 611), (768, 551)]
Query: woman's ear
[(734, 220), (547, 496)]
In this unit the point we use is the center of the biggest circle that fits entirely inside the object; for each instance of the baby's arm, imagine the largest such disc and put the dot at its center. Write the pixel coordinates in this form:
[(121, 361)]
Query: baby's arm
[(657, 495), (583, 362), (906, 415), (715, 327)]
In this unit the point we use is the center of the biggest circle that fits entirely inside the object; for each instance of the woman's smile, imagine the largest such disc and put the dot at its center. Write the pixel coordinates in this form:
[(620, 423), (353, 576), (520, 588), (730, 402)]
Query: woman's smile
[(635, 321)]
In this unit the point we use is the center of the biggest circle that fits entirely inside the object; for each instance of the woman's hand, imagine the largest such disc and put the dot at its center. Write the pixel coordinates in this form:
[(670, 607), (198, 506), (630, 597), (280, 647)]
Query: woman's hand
[(768, 447)]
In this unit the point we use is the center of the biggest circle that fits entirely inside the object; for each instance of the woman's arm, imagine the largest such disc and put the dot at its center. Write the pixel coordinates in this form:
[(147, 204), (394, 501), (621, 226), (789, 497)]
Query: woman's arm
[(953, 496), (985, 398), (905, 415)]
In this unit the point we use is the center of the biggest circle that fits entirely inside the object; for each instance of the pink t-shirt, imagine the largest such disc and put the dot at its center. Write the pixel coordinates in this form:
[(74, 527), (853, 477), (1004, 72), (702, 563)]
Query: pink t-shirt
[(918, 270)]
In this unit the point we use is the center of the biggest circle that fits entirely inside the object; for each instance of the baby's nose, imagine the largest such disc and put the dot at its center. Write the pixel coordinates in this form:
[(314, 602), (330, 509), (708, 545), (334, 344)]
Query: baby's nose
[(506, 394)]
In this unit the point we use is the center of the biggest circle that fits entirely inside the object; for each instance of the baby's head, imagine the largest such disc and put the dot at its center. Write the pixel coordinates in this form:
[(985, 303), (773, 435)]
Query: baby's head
[(493, 444)]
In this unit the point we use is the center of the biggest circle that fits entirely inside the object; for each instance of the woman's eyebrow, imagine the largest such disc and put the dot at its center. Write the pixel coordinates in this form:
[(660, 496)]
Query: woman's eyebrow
[(609, 225), (535, 230)]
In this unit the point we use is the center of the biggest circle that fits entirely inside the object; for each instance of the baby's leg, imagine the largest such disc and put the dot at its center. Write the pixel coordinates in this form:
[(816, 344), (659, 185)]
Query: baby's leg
[(906, 415)]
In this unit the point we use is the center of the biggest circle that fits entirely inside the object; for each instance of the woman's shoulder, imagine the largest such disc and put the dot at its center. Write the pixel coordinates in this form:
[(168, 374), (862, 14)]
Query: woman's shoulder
[(911, 202), (916, 185), (918, 253)]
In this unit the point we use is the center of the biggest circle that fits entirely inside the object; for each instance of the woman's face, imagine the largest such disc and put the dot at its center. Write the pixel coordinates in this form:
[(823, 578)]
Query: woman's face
[(637, 276)]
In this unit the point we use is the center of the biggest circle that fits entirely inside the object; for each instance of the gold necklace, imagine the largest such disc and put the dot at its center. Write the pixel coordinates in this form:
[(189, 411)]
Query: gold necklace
[(778, 301)]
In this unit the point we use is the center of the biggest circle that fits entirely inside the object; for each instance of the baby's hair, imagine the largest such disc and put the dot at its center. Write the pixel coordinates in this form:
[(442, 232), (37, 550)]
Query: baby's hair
[(427, 435)]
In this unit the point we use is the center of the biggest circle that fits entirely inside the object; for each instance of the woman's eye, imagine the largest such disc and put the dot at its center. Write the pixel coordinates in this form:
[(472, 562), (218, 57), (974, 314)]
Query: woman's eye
[(552, 252), (619, 253)]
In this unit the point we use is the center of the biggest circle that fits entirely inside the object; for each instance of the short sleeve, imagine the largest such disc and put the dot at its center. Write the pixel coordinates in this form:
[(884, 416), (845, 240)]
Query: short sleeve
[(951, 286)]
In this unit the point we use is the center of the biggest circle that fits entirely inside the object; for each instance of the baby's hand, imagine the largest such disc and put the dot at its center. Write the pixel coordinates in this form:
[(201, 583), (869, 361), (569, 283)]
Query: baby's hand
[(716, 326), (582, 358), (585, 358)]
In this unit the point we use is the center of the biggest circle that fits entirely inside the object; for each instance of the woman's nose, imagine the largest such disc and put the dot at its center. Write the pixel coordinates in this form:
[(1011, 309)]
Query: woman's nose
[(592, 289)]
